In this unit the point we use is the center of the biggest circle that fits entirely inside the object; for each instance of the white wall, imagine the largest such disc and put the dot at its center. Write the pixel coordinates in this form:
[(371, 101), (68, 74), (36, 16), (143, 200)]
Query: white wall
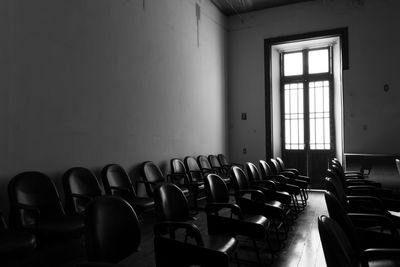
[(374, 54), (91, 82)]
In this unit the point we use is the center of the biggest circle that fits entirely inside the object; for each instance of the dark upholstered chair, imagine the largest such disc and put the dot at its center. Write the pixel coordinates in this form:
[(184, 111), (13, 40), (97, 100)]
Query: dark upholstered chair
[(35, 206), (179, 175), (218, 168), (80, 187), (299, 176), (193, 170), (361, 238), (112, 231), (282, 183), (185, 248), (117, 182), (227, 165), (14, 245), (339, 251), (357, 203), (153, 177), (268, 187), (234, 222), (349, 180), (253, 201), (291, 179)]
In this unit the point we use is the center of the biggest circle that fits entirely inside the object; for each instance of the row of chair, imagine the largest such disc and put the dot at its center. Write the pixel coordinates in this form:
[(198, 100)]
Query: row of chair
[(359, 231), (35, 205)]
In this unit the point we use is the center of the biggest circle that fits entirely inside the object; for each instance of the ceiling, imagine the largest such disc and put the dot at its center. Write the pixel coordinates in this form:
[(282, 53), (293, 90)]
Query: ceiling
[(234, 7)]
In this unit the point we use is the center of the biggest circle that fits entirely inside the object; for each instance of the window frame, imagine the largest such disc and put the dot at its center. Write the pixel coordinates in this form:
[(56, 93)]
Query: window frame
[(306, 78)]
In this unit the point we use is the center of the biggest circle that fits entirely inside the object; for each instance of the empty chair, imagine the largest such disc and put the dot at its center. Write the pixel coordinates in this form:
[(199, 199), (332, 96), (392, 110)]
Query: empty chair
[(174, 249), (193, 170), (292, 179), (295, 171), (269, 188), (352, 179), (153, 177), (254, 201), (117, 182), (281, 183), (227, 165), (180, 175), (362, 238), (35, 206), (338, 250), (80, 186), (14, 245), (112, 231), (349, 173), (218, 168), (235, 222)]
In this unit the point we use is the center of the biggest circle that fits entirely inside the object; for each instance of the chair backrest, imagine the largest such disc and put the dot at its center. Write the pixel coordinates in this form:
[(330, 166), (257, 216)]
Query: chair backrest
[(33, 189), (203, 162), (152, 173), (217, 191), (333, 186), (79, 181), (193, 168), (223, 160), (239, 179), (398, 165), (337, 248), (339, 215), (214, 162), (171, 203), (179, 173), (275, 167), (112, 229), (281, 163), (252, 172), (265, 169), (114, 176)]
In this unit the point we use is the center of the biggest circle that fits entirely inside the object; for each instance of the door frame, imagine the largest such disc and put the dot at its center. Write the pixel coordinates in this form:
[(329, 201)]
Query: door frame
[(342, 33)]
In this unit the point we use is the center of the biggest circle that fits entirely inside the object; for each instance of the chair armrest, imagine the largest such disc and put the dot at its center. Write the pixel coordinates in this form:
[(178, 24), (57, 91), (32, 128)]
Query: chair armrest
[(216, 206), (35, 211), (383, 221), (379, 253), (288, 174), (295, 171), (280, 178), (374, 201), (191, 230)]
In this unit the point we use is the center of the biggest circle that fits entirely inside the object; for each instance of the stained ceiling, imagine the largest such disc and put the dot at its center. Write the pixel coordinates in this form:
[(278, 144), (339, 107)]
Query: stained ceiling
[(234, 7)]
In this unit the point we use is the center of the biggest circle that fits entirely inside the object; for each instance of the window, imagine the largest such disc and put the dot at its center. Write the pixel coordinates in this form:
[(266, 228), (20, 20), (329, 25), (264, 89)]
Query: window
[(306, 82)]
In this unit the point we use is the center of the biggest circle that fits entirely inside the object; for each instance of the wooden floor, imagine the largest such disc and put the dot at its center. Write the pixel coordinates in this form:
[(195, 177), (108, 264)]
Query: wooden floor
[(301, 248)]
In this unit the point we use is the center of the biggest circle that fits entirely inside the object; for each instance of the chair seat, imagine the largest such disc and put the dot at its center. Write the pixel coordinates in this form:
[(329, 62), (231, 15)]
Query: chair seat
[(254, 226), (16, 242), (224, 244), (62, 226), (143, 204)]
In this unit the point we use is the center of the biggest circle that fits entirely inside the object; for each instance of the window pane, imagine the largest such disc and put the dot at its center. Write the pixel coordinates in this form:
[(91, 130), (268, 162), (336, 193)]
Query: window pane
[(294, 116), (318, 61), (319, 115), (293, 64)]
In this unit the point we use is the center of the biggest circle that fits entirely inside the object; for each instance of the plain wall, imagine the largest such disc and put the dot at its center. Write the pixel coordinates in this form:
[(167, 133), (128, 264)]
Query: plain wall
[(371, 123), (92, 82)]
